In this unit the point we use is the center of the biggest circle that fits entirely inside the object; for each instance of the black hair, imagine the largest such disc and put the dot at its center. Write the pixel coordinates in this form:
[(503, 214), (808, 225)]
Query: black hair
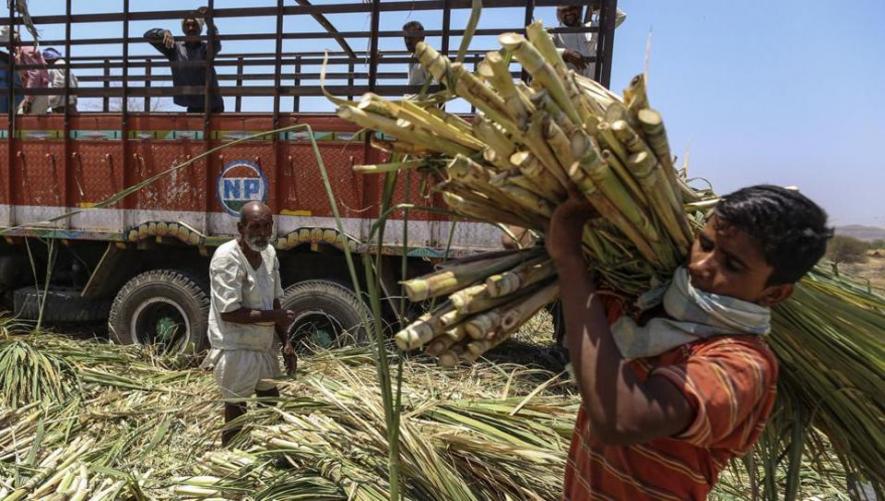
[(413, 25), (790, 229)]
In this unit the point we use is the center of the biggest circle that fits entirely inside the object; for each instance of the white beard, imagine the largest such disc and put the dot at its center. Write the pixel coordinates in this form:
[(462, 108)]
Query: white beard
[(254, 246)]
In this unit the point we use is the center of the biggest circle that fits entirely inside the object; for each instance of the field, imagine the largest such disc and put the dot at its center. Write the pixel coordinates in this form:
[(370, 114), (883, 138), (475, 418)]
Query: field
[(873, 270), (150, 428)]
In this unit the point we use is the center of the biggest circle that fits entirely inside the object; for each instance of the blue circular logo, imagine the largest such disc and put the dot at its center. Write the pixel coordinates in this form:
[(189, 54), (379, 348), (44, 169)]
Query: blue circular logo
[(241, 181)]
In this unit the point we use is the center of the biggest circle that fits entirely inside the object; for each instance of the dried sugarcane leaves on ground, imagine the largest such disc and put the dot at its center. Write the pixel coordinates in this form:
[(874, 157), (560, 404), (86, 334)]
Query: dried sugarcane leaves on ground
[(132, 427)]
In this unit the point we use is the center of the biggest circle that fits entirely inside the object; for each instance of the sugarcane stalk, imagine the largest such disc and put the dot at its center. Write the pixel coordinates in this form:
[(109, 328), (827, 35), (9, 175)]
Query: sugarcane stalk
[(388, 167), (559, 144), (390, 127), (576, 135), (480, 326), (437, 64), (543, 42), (533, 170), (469, 87), (493, 137), (398, 147), (607, 140), (666, 207), (534, 139), (625, 176), (457, 277), (526, 184), (452, 357), (450, 119), (653, 127), (496, 70), (608, 183), (608, 210), (542, 72), (522, 276), (422, 330), (516, 314), (528, 200), (635, 95), (512, 199), (485, 212), (417, 115)]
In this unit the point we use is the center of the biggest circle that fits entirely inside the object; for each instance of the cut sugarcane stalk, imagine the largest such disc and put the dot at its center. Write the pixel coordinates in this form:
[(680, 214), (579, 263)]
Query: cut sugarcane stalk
[(541, 72), (656, 135), (519, 277), (419, 332), (457, 277)]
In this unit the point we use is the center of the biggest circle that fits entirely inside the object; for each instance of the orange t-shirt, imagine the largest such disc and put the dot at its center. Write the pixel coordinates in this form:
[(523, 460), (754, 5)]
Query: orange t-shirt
[(730, 382)]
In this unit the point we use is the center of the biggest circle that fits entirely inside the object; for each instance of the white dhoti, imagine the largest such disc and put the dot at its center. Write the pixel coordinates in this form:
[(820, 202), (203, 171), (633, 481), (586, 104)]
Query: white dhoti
[(239, 373)]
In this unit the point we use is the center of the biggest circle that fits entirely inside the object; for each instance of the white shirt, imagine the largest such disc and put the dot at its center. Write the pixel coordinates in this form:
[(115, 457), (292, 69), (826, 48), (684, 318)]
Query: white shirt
[(236, 284), (57, 81), (418, 75), (584, 43)]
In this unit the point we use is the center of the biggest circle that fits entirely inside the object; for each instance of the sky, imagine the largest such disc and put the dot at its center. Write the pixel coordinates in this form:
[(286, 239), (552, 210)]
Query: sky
[(788, 92)]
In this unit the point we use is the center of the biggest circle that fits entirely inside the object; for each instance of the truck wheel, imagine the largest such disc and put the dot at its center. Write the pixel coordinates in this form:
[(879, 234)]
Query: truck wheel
[(168, 308), (327, 314), (62, 304)]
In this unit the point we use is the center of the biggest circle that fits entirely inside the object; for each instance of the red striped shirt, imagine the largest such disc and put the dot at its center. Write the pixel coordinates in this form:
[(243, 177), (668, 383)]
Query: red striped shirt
[(730, 383)]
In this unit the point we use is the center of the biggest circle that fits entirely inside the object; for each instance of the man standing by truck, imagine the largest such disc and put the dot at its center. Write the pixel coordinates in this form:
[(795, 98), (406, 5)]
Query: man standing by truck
[(244, 314), (187, 60)]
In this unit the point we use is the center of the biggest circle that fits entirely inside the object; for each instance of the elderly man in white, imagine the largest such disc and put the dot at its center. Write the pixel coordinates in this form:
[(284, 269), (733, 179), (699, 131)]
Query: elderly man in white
[(578, 49), (244, 315)]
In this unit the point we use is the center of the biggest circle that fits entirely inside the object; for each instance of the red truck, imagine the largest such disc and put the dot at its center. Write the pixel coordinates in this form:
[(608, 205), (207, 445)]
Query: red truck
[(141, 263)]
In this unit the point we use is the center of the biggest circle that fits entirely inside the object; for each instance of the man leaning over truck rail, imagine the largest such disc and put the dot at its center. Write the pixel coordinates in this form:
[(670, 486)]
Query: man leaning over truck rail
[(244, 314), (185, 58), (667, 402), (578, 49)]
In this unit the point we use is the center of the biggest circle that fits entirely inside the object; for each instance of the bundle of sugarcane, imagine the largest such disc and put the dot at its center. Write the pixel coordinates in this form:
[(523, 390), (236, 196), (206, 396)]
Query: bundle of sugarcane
[(488, 299), (526, 149), (528, 146)]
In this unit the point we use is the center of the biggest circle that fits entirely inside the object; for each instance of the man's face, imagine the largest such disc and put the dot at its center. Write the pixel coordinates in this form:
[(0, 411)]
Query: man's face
[(192, 29), (257, 229), (569, 16), (412, 37), (727, 261)]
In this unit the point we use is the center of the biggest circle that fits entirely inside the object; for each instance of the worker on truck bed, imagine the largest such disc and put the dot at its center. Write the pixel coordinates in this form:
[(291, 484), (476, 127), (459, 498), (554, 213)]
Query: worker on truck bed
[(186, 58), (36, 77), (6, 74), (413, 32), (667, 403), (244, 315), (57, 81), (579, 49)]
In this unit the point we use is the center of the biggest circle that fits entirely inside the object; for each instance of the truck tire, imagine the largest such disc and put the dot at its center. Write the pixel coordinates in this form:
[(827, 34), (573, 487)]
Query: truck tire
[(62, 305), (169, 308), (327, 314)]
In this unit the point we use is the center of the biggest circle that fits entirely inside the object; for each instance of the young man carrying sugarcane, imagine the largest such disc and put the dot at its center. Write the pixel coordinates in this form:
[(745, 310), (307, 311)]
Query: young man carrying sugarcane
[(244, 315), (667, 403)]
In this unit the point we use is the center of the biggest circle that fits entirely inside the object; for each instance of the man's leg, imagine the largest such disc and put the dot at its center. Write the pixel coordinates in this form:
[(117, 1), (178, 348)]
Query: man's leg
[(195, 109), (231, 412), (271, 393)]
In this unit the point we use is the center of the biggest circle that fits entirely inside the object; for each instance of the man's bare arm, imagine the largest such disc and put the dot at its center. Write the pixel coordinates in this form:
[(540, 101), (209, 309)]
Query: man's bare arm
[(620, 408)]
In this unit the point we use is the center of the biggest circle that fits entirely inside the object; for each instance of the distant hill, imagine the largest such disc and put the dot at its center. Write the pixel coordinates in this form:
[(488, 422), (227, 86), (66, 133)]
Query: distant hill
[(861, 232)]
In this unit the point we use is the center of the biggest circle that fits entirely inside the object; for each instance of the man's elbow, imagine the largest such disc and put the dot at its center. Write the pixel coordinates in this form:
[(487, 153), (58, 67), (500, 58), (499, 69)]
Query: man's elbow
[(616, 434)]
